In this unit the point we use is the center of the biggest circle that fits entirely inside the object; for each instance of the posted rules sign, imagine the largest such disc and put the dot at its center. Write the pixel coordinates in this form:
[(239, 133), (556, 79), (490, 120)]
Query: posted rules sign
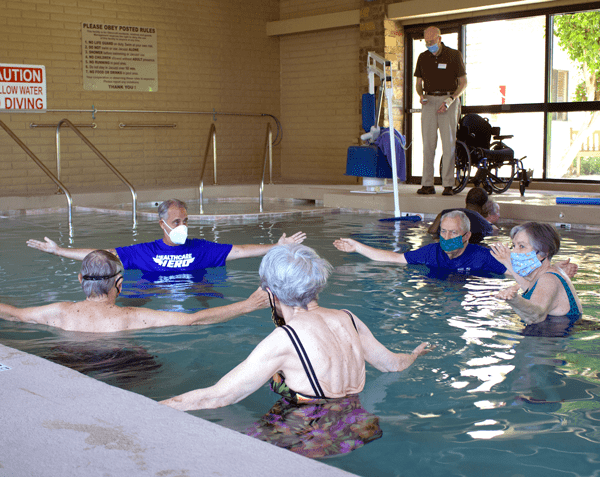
[(22, 88)]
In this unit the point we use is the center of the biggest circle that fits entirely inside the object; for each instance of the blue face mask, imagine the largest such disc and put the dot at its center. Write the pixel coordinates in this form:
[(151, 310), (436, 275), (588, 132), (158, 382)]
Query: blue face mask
[(433, 48), (452, 244), (524, 263)]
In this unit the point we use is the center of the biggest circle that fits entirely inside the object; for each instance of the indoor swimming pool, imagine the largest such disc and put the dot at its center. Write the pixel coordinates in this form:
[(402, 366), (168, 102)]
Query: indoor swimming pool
[(487, 401)]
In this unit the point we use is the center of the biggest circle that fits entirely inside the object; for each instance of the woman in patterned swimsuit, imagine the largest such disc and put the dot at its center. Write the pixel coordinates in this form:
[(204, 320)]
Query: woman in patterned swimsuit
[(315, 356), (550, 292)]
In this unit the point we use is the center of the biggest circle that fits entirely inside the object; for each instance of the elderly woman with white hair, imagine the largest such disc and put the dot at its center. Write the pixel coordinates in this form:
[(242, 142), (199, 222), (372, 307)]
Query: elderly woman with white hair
[(315, 355), (548, 290)]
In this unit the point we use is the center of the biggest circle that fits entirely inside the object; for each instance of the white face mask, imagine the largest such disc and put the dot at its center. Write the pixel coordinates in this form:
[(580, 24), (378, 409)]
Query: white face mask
[(178, 235)]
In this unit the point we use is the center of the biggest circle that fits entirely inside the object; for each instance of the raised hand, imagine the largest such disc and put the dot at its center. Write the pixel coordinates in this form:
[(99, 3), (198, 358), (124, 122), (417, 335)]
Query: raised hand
[(259, 299), (501, 252), (423, 349), (569, 268), (49, 246), (298, 237), (345, 245), (508, 293)]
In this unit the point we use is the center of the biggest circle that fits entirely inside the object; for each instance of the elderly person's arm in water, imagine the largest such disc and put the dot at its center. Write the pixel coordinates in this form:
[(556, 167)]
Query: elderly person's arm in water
[(270, 356), (315, 352), (530, 311), (350, 245), (382, 358), (101, 278), (257, 250), (50, 246)]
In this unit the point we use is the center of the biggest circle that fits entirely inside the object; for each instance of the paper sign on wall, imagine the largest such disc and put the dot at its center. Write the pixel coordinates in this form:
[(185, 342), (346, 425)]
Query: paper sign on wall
[(119, 57), (22, 88)]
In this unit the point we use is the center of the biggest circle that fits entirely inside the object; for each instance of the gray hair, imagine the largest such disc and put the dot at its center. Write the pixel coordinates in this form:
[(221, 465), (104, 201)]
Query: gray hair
[(465, 223), (491, 208), (543, 237), (163, 209), (99, 272), (294, 273)]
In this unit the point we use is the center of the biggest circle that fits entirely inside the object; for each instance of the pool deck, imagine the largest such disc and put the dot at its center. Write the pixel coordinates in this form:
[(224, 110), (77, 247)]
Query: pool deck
[(538, 203), (56, 421)]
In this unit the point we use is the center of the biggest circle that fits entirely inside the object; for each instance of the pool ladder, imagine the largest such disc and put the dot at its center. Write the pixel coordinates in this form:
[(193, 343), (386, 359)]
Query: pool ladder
[(43, 168), (212, 139), (68, 123)]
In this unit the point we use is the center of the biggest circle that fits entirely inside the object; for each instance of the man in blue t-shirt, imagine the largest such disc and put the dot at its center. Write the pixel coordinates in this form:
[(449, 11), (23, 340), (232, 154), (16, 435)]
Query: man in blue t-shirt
[(480, 226), (452, 252), (174, 252)]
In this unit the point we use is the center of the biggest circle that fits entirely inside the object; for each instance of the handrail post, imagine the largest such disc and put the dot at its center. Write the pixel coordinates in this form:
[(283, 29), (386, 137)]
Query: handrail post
[(268, 155), (214, 154), (44, 168), (101, 156), (212, 136)]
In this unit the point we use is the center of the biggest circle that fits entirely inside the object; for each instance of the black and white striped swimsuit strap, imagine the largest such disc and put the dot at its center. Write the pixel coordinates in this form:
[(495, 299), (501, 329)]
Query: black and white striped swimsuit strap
[(306, 364)]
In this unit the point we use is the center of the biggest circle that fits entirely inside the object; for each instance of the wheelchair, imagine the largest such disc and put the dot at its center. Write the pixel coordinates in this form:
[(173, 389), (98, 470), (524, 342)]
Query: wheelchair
[(495, 163)]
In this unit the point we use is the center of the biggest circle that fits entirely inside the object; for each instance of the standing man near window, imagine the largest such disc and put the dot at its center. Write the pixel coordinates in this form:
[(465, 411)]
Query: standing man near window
[(441, 79)]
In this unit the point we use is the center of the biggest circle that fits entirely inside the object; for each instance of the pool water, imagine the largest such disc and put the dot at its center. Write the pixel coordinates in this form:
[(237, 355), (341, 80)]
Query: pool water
[(488, 401)]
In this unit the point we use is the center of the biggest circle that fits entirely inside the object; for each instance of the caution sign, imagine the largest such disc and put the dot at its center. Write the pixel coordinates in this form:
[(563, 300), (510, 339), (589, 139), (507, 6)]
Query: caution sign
[(22, 88)]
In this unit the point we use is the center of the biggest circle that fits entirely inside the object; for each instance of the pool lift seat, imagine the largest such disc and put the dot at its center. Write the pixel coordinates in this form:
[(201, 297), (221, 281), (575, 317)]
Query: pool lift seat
[(368, 161)]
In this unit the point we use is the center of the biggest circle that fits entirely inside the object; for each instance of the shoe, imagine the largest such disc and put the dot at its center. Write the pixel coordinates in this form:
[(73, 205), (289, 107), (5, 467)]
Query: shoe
[(426, 190), (448, 191)]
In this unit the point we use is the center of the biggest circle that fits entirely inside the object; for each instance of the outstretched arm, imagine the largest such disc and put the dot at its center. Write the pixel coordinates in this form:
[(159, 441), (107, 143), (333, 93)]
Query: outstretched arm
[(146, 318), (258, 250), (350, 245), (50, 246), (382, 358), (43, 315), (266, 359)]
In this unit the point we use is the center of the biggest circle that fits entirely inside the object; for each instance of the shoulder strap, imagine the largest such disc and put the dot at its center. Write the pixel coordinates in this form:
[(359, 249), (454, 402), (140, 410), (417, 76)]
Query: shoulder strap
[(573, 308), (306, 364), (352, 318)]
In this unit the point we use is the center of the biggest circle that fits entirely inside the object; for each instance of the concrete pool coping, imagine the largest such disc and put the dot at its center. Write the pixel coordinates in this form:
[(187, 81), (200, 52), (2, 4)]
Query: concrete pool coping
[(537, 204), (56, 421)]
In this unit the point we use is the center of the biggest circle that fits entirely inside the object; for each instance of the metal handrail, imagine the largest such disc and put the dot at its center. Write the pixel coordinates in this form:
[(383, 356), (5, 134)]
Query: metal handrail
[(269, 154), (43, 167), (212, 137), (53, 125), (140, 126), (100, 155)]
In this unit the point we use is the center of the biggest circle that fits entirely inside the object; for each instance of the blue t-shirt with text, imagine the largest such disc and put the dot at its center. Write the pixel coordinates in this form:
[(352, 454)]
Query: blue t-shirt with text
[(474, 259), (157, 256)]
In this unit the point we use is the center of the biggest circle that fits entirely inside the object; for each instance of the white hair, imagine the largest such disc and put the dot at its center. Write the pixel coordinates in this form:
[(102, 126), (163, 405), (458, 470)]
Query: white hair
[(465, 223), (294, 273)]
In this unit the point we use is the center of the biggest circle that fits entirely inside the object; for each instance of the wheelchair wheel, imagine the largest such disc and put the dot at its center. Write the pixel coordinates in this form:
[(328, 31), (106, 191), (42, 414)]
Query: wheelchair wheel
[(500, 176), (500, 173), (462, 164)]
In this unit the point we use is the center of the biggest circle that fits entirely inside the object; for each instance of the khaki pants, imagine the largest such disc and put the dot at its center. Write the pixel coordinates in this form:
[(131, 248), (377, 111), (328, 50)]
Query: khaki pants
[(447, 123)]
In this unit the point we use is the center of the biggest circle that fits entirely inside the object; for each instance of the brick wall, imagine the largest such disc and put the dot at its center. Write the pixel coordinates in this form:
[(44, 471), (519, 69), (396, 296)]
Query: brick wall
[(302, 8), (319, 104), (212, 55)]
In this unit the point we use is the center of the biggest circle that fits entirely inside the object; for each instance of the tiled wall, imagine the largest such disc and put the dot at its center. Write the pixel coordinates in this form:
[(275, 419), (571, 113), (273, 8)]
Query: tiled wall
[(212, 55)]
